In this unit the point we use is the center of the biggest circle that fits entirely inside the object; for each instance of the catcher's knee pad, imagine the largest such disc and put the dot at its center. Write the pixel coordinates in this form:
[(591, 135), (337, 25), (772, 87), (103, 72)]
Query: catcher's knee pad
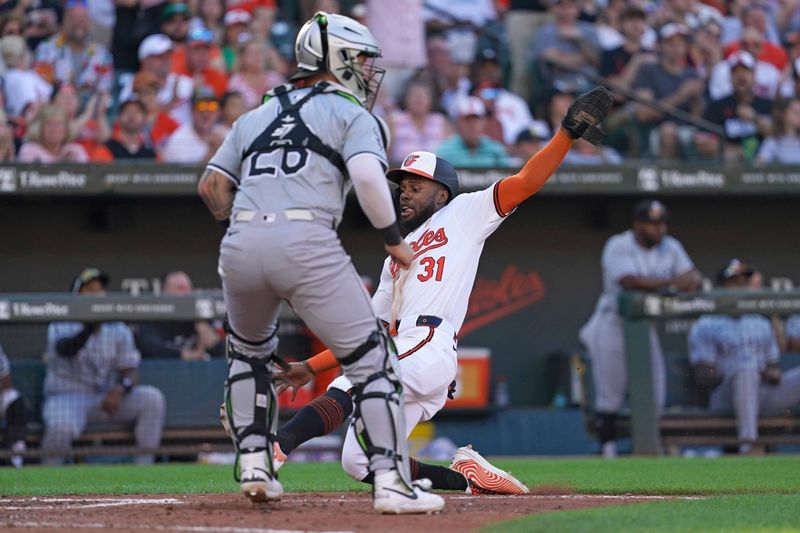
[(378, 418), (250, 400)]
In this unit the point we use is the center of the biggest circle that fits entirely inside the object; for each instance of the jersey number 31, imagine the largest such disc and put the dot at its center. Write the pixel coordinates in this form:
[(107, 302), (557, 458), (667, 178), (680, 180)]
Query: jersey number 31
[(432, 269)]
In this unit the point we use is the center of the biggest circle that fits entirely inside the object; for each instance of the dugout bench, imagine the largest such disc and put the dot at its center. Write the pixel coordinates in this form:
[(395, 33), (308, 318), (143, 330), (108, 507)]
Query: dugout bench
[(685, 421)]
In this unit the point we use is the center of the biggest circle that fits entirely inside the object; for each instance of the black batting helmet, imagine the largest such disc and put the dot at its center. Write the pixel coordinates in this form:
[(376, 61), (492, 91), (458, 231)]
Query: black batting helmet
[(427, 165)]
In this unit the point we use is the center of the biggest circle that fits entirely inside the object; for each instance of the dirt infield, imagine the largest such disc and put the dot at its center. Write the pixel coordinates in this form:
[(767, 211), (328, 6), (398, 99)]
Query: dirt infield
[(310, 512)]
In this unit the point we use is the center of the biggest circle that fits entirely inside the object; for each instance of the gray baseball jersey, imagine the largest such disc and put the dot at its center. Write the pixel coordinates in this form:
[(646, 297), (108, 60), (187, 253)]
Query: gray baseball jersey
[(280, 179), (623, 256), (793, 327), (740, 349), (603, 335), (93, 368), (730, 343), (5, 366)]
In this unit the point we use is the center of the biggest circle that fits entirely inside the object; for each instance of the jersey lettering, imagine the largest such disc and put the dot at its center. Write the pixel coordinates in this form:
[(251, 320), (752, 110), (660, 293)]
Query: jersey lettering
[(429, 240)]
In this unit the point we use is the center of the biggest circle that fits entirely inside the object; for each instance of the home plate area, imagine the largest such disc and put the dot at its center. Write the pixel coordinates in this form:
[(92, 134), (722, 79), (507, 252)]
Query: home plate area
[(305, 512)]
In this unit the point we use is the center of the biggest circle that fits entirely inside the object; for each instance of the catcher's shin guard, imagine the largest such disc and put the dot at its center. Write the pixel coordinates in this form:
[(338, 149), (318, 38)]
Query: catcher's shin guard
[(378, 418), (250, 401)]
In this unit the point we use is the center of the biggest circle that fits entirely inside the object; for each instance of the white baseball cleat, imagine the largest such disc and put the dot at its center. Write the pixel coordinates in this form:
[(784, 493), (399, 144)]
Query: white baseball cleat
[(482, 477), (258, 484), (392, 496), (278, 457)]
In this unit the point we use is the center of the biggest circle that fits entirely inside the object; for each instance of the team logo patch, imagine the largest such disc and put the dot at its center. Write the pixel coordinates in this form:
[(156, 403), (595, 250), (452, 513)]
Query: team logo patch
[(410, 160)]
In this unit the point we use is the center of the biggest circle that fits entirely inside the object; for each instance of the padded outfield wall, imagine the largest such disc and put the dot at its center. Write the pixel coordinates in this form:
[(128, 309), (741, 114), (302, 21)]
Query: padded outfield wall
[(539, 276)]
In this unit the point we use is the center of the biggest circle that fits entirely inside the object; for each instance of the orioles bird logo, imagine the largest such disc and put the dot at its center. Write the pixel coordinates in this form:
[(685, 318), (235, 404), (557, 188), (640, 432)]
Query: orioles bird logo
[(410, 160)]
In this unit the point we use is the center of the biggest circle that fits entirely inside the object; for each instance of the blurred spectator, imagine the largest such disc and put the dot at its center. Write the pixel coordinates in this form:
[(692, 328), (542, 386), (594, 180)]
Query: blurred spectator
[(102, 17), (585, 153), (671, 82), (159, 125), (507, 108), (197, 141), (92, 377), (529, 141), (441, 69), (469, 147), (689, 13), (416, 126), (523, 19), (643, 258), (189, 341), (22, 86), (12, 413), (705, 50), (73, 56), (254, 77), (91, 127), (11, 24), (208, 16), (41, 24), (232, 106), (400, 30), (174, 90), (175, 24), (792, 332), (746, 118), (736, 359), (48, 140), (460, 21), (621, 64), (236, 22), (8, 145), (129, 141), (568, 42), (767, 75), (783, 146), (753, 41), (198, 63), (749, 14), (131, 26)]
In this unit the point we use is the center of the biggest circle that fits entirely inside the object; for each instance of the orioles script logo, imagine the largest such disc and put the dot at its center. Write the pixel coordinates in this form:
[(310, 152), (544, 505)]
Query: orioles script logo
[(492, 300), (429, 240)]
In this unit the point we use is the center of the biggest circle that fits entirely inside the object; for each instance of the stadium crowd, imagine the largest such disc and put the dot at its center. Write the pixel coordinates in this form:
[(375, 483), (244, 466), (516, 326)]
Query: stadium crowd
[(481, 82)]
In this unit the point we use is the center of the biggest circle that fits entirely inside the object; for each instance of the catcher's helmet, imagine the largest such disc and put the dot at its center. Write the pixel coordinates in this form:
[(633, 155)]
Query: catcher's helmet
[(331, 43), (427, 165)]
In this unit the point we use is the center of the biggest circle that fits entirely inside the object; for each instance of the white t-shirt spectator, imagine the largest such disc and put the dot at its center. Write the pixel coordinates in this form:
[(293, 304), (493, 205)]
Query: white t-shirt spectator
[(766, 80), (23, 87), (184, 146)]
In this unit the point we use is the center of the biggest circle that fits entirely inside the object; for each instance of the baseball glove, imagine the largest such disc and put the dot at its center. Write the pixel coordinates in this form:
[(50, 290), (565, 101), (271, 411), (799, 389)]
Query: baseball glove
[(586, 113)]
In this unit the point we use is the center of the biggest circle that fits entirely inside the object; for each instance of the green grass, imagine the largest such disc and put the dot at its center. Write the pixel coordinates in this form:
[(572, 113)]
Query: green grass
[(745, 494), (717, 514), (749, 475)]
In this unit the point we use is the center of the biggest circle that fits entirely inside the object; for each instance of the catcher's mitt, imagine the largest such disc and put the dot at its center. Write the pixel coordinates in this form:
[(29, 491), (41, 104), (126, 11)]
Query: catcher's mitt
[(586, 113)]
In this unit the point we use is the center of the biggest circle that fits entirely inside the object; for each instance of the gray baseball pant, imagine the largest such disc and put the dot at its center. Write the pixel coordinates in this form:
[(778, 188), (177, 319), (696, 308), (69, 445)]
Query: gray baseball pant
[(66, 415), (271, 259)]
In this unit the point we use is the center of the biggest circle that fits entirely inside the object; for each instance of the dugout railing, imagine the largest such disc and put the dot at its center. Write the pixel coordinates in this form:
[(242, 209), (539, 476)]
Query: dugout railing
[(653, 433)]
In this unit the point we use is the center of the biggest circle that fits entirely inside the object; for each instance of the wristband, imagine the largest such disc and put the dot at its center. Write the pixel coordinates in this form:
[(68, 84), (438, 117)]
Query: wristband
[(391, 234)]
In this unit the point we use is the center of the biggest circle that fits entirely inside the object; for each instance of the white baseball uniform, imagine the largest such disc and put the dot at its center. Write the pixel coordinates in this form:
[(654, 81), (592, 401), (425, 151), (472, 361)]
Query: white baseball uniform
[(430, 301)]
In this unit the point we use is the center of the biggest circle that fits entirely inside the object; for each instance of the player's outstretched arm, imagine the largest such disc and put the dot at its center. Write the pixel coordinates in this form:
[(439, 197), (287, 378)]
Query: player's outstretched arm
[(581, 121), (217, 191)]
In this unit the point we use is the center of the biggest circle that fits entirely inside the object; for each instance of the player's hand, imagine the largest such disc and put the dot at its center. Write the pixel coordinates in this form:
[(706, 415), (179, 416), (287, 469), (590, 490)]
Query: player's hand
[(771, 375), (401, 253), (584, 116), (112, 400), (298, 375), (706, 377)]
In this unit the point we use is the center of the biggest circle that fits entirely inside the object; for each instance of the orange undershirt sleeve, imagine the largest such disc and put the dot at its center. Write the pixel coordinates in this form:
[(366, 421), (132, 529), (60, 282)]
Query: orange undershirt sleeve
[(322, 361), (512, 190)]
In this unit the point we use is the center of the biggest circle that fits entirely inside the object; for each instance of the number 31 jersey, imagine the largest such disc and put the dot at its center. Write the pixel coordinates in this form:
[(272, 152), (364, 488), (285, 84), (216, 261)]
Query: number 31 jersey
[(447, 248), (281, 179)]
